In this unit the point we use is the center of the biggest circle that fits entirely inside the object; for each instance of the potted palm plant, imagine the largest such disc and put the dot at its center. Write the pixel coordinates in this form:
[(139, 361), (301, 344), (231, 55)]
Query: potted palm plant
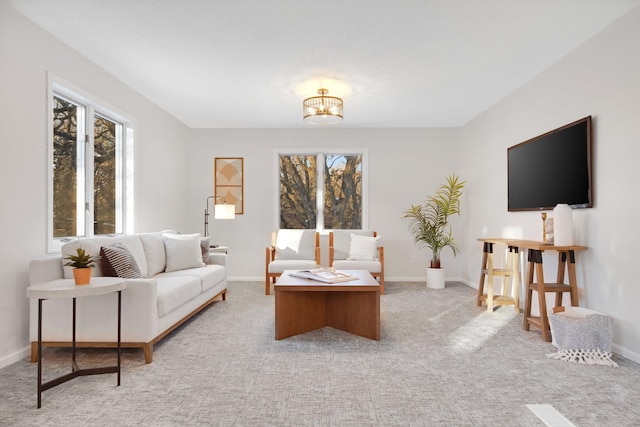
[(82, 264), (429, 225)]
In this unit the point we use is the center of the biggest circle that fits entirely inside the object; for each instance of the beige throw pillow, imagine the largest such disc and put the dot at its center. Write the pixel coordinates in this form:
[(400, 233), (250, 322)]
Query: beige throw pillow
[(183, 251), (363, 248)]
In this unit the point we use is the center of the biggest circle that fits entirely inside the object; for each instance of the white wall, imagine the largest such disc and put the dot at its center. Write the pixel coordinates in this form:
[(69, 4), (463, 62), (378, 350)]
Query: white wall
[(599, 79), (161, 147), (405, 165)]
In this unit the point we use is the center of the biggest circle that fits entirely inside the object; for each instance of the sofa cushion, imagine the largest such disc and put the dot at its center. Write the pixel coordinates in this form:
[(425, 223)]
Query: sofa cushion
[(209, 275), (295, 244), (183, 251), (92, 247), (154, 251), (117, 261), (174, 291)]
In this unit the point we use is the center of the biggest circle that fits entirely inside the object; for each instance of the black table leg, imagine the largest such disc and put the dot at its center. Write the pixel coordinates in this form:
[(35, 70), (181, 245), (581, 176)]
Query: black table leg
[(39, 353)]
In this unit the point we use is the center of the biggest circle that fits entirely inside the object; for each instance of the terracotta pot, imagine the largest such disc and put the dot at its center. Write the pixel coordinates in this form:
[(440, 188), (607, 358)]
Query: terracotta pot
[(82, 276)]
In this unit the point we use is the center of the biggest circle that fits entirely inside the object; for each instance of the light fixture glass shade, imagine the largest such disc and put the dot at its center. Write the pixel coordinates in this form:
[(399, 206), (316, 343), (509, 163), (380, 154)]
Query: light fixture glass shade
[(322, 110), (224, 211)]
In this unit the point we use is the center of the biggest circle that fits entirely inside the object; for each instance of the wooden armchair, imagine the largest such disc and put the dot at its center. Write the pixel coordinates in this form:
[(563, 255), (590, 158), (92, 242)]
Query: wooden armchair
[(293, 250), (361, 252)]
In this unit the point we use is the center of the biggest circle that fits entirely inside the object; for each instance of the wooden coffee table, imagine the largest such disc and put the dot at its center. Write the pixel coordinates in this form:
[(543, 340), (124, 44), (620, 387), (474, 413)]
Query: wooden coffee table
[(303, 305)]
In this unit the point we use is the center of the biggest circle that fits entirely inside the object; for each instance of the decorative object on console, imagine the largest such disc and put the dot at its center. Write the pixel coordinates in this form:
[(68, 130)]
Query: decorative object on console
[(229, 181), (547, 229), (220, 211), (429, 225), (562, 225), (323, 109), (82, 264)]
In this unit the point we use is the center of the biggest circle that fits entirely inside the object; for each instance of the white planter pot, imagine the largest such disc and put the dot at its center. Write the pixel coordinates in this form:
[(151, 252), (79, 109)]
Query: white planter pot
[(435, 278)]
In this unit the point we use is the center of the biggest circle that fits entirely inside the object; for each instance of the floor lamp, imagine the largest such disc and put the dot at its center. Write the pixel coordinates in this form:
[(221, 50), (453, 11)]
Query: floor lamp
[(220, 211)]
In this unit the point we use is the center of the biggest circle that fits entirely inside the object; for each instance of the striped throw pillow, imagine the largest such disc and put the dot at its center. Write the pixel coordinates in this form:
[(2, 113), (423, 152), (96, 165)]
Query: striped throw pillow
[(117, 261)]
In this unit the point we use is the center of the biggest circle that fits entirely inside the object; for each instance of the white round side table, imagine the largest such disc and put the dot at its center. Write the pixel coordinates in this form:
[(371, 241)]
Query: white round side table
[(66, 288)]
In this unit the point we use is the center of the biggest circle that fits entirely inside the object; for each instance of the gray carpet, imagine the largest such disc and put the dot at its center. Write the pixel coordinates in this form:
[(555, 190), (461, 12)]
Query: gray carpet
[(441, 361)]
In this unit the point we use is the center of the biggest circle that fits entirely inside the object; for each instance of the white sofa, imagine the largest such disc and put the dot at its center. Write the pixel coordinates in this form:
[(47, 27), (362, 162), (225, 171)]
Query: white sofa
[(173, 287)]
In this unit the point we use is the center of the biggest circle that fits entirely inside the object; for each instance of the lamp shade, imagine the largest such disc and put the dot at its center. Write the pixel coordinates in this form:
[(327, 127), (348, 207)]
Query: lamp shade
[(224, 211), (322, 110)]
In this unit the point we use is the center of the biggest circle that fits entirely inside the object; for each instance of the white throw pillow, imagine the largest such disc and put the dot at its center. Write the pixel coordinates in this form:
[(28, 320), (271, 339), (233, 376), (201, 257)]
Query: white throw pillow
[(363, 248), (183, 251), (154, 251)]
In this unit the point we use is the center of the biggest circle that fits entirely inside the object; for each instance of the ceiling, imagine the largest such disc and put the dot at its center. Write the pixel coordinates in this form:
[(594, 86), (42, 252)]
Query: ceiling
[(396, 63)]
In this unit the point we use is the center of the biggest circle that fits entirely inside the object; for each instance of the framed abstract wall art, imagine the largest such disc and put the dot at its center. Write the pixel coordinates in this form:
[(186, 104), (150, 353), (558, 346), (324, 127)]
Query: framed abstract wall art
[(229, 181)]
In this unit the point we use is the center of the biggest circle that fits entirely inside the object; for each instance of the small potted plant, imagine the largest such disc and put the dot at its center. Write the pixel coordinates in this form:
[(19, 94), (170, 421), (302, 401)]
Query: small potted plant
[(82, 264), (429, 224)]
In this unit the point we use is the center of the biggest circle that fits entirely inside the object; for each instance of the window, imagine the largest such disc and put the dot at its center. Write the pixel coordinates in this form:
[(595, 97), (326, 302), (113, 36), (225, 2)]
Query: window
[(321, 190), (90, 146)]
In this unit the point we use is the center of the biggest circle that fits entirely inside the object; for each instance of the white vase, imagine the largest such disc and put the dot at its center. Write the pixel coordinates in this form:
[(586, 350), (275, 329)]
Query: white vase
[(562, 225), (435, 278)]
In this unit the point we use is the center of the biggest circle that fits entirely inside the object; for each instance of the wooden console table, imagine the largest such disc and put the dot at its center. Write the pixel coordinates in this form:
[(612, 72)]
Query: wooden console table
[(535, 279)]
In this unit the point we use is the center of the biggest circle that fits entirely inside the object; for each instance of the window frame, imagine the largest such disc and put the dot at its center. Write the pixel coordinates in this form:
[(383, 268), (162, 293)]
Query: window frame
[(320, 155), (91, 106)]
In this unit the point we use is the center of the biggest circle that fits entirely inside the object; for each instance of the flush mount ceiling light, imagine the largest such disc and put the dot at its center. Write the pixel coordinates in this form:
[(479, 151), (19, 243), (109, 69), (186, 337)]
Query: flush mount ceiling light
[(322, 110)]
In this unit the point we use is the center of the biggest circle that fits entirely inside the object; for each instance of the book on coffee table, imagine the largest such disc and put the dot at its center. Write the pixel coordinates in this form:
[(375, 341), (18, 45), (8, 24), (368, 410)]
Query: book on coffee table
[(326, 275)]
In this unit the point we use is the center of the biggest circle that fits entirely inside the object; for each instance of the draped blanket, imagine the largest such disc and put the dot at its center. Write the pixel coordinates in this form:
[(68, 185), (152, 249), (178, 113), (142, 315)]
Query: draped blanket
[(582, 336)]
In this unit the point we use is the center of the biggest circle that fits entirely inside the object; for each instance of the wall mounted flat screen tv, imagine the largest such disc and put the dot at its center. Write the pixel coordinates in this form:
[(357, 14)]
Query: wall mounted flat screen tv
[(551, 169)]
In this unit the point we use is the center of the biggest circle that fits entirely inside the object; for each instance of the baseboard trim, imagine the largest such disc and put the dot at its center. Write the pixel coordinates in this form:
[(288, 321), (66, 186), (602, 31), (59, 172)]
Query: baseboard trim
[(14, 357), (626, 353)]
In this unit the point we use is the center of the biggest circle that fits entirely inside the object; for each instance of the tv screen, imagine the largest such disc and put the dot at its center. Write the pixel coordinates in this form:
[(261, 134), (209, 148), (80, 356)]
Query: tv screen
[(551, 169)]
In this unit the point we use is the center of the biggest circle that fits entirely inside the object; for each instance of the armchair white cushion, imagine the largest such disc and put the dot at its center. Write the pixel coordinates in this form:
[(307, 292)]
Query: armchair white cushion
[(293, 250), (357, 250)]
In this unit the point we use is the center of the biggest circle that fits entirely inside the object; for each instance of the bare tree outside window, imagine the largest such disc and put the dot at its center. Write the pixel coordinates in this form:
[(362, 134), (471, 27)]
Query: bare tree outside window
[(341, 191), (69, 169), (65, 136), (298, 192), (104, 175)]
